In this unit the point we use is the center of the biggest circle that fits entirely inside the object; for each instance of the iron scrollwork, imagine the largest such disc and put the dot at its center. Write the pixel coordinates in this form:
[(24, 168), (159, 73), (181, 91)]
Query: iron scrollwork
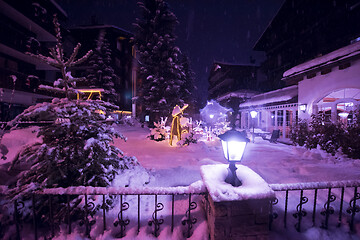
[(190, 221), (157, 222), (300, 212), (120, 220), (88, 207), (353, 207), (327, 210), (18, 205)]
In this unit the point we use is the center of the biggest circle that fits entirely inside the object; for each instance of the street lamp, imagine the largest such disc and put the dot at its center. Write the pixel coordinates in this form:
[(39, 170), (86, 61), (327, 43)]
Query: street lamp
[(253, 116), (233, 143)]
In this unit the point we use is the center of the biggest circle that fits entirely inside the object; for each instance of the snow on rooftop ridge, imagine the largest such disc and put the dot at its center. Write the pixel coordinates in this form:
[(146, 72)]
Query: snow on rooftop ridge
[(239, 94), (335, 55), (253, 186), (279, 95)]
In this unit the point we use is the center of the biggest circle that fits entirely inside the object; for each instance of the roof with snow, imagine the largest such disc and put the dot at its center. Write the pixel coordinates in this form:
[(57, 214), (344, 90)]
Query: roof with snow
[(243, 93), (283, 95), (328, 60)]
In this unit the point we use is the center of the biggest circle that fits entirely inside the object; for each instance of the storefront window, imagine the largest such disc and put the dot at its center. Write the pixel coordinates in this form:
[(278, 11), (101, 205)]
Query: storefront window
[(280, 117), (288, 117), (327, 113), (340, 105), (273, 118), (345, 112)]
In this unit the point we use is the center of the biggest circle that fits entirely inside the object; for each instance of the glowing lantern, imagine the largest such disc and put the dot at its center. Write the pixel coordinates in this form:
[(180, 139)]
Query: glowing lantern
[(234, 144)]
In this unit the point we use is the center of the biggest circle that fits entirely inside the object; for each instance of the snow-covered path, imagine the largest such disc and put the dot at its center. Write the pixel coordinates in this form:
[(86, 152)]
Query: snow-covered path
[(276, 163)]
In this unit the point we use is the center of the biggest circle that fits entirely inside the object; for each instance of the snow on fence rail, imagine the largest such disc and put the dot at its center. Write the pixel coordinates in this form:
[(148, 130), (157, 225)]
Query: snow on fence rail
[(131, 209), (327, 192), (313, 185), (192, 189)]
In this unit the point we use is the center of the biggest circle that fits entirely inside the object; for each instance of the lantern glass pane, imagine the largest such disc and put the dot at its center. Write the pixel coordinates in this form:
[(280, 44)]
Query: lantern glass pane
[(236, 150), (302, 107)]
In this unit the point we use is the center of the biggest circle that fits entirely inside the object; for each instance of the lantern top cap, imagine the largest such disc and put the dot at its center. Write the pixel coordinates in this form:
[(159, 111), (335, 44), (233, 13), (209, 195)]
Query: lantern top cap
[(233, 135)]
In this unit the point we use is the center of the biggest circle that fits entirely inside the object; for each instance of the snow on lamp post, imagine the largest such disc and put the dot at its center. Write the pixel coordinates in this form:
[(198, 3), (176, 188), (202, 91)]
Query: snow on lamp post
[(253, 116), (233, 144)]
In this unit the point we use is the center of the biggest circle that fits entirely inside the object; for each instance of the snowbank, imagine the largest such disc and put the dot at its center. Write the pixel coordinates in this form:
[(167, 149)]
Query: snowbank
[(253, 186)]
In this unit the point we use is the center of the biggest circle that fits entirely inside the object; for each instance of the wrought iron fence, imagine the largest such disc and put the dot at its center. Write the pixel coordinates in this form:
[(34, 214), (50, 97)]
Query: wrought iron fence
[(131, 202), (323, 199)]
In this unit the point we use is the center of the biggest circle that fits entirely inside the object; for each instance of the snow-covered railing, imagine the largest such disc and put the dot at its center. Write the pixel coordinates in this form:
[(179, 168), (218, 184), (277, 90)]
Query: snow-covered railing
[(313, 185), (61, 202), (328, 192), (192, 189)]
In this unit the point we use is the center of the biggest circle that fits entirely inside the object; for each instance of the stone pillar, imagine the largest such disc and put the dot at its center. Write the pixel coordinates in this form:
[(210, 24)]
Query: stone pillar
[(241, 212)]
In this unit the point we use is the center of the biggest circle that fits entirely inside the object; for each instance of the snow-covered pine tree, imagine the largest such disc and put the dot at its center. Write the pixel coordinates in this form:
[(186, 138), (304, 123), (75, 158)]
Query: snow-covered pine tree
[(100, 74), (188, 88), (160, 69), (75, 150)]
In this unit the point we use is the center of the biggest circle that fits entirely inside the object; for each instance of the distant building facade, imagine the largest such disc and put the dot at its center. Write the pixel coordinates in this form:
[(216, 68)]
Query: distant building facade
[(25, 26), (313, 48), (123, 59), (303, 30), (226, 78)]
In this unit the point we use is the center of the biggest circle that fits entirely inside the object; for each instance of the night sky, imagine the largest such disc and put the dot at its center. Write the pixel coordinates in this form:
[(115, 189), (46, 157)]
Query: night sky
[(208, 30)]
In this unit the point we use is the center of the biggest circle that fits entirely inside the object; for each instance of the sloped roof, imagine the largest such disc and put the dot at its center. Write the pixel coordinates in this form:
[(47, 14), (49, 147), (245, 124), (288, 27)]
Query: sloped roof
[(330, 58), (276, 96)]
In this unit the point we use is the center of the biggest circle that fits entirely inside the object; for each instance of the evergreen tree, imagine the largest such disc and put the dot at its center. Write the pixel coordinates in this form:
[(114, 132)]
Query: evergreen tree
[(101, 74), (76, 149), (160, 69), (188, 88)]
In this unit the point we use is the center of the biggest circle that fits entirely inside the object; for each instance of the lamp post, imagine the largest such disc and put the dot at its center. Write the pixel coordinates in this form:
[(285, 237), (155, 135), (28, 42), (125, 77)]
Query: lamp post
[(233, 143), (253, 116)]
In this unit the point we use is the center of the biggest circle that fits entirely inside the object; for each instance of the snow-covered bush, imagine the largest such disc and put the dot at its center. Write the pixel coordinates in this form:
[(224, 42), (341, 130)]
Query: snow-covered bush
[(330, 137), (187, 138), (158, 133), (221, 127), (327, 135), (299, 133), (351, 140), (128, 120)]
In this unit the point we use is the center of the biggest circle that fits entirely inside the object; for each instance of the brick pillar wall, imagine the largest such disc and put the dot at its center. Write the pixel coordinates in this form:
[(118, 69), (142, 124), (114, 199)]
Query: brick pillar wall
[(246, 219), (241, 212)]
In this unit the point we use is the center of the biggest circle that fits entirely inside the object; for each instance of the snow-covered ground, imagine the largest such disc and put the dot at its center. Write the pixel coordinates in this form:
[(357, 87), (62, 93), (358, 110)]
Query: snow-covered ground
[(180, 166), (276, 163)]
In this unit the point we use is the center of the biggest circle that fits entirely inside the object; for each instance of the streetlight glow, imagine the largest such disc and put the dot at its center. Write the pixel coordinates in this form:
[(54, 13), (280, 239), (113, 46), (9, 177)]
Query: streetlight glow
[(253, 114), (234, 144)]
